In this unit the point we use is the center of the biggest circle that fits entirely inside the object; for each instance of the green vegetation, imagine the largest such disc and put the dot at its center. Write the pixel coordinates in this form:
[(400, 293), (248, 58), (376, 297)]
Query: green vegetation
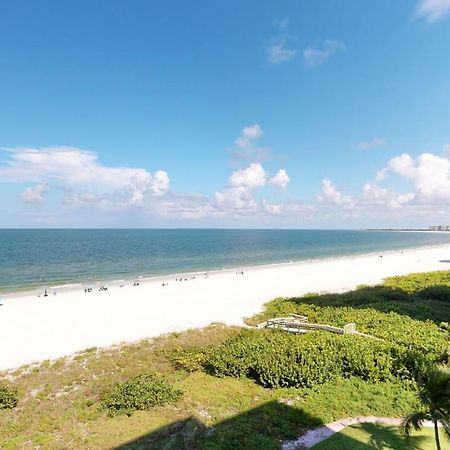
[(242, 389), (434, 395), (8, 397), (277, 359), (141, 393), (376, 436)]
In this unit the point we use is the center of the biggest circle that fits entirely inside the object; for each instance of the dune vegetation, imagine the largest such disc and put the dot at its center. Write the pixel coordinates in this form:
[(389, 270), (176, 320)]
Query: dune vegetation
[(227, 387)]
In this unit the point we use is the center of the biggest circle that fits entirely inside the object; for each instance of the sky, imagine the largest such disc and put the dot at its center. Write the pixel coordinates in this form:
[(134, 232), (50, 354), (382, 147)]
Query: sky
[(242, 114)]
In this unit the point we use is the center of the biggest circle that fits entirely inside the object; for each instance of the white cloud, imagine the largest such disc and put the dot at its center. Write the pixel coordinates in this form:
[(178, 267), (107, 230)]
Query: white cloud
[(447, 151), (375, 142), (239, 195), (34, 194), (244, 147), (272, 208), (375, 194), (372, 191), (278, 53), (248, 134), (280, 179), (430, 175), (81, 175), (331, 194), (242, 184), (314, 56), (236, 198), (432, 10), (382, 174), (401, 200), (253, 176), (288, 208)]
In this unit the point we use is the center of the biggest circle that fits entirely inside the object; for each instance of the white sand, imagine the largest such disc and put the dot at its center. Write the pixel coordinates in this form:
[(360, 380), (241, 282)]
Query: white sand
[(33, 329)]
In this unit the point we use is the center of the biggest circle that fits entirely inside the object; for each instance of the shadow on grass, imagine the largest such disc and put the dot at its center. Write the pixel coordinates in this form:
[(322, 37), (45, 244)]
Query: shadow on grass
[(263, 427), (370, 436), (389, 437)]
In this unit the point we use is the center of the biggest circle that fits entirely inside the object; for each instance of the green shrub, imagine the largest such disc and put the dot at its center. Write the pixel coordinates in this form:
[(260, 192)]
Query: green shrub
[(279, 359), (188, 359), (423, 336), (141, 393), (419, 281), (8, 397), (441, 293), (405, 312)]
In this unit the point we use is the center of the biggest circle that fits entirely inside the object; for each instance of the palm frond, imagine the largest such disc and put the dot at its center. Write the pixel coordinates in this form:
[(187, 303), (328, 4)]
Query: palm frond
[(434, 388), (444, 420), (414, 420)]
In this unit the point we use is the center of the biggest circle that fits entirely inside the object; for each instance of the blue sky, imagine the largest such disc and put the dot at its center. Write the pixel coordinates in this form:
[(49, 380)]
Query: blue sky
[(224, 114)]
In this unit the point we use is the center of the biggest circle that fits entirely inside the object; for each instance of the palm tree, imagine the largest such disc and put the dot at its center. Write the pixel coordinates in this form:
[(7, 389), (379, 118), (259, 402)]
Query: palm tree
[(434, 394)]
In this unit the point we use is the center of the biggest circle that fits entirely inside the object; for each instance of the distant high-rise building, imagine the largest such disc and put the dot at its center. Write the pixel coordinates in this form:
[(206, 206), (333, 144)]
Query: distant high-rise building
[(439, 227)]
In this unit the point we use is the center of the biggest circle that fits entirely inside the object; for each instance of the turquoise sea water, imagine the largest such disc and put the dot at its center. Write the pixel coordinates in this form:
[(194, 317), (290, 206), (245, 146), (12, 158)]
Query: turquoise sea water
[(37, 258)]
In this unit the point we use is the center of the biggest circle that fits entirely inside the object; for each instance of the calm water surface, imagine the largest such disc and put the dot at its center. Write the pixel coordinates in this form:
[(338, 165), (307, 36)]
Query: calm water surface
[(32, 258)]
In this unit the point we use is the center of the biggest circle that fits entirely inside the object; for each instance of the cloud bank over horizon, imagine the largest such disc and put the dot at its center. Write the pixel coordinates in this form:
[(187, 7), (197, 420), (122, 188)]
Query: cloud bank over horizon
[(83, 183)]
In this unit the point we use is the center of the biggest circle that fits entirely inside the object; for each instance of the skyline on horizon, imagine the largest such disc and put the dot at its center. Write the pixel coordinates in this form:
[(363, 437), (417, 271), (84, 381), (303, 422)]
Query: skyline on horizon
[(287, 115)]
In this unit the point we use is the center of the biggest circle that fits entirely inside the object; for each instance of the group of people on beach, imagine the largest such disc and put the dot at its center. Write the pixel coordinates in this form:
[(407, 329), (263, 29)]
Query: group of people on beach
[(89, 289)]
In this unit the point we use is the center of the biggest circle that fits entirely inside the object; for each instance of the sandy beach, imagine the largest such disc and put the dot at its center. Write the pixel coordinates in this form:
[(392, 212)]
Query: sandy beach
[(36, 328)]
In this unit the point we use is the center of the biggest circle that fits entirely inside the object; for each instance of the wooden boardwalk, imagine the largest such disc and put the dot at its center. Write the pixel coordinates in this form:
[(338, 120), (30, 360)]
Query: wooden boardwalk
[(299, 324)]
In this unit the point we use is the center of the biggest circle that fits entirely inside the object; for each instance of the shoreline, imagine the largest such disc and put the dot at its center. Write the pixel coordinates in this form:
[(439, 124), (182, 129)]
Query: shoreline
[(34, 329), (112, 282)]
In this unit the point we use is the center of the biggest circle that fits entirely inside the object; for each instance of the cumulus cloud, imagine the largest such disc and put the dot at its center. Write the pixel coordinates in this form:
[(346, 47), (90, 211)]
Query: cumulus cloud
[(245, 147), (429, 174), (34, 194), (331, 194), (280, 179), (373, 194), (241, 186), (81, 175), (253, 176), (87, 183), (248, 134), (314, 56), (432, 10), (237, 198), (375, 142), (239, 195)]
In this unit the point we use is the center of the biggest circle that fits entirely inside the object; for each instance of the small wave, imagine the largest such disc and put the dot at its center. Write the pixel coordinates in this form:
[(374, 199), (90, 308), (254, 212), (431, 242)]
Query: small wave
[(65, 286)]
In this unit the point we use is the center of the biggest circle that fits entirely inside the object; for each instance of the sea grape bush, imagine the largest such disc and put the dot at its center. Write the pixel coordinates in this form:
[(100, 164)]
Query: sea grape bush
[(422, 335), (8, 397), (393, 327), (140, 393), (408, 313), (418, 282), (190, 359), (277, 359)]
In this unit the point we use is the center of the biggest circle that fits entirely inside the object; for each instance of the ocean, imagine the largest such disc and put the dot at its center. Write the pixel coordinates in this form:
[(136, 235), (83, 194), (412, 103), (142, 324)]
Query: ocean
[(45, 258)]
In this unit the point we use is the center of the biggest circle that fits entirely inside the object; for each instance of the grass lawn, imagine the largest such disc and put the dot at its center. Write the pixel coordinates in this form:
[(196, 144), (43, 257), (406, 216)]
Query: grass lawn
[(377, 436)]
